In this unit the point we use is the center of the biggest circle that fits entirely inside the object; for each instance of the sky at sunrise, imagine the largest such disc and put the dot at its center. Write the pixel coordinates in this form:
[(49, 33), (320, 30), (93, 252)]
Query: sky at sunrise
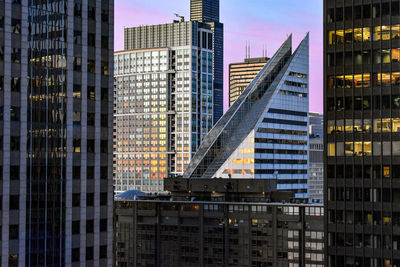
[(262, 22)]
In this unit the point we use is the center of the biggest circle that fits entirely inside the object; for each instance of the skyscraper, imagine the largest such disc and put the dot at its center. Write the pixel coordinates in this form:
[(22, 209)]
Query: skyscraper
[(56, 132), (164, 102), (207, 12), (264, 134), (362, 140), (242, 74)]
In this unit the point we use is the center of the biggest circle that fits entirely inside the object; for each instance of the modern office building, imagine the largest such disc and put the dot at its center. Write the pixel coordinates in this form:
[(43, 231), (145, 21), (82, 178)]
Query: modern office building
[(163, 102), (316, 160), (217, 222), (207, 13), (264, 134), (362, 133), (56, 92), (242, 74)]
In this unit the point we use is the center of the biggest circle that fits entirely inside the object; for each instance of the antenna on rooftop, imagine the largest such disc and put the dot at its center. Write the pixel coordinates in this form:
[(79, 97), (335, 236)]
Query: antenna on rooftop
[(249, 50)]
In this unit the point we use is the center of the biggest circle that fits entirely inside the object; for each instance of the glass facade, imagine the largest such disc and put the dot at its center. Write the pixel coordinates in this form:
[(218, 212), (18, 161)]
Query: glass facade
[(207, 12), (264, 133), (56, 132), (164, 108), (361, 70)]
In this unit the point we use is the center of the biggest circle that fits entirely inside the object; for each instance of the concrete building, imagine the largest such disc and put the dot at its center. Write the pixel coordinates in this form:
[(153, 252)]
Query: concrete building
[(264, 134), (242, 74), (362, 133), (56, 92), (163, 102), (217, 222)]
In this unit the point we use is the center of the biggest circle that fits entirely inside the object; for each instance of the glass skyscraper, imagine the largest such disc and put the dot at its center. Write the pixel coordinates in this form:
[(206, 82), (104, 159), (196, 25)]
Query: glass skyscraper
[(164, 102), (362, 132), (264, 134), (56, 132), (207, 12)]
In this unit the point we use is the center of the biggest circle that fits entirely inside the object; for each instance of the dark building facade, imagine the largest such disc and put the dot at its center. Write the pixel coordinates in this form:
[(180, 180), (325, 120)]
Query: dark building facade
[(56, 91), (217, 222), (207, 12), (362, 133)]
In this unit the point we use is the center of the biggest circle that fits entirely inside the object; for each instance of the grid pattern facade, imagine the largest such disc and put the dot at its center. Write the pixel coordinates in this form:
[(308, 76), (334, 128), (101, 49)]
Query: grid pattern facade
[(362, 163), (207, 12), (163, 109), (276, 145), (316, 170), (204, 10), (156, 233), (56, 92), (242, 74)]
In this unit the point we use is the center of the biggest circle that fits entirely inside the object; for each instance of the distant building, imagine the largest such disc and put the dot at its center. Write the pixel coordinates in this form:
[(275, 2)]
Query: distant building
[(207, 12), (316, 160), (316, 126), (163, 104), (316, 170), (217, 222), (264, 134), (242, 74)]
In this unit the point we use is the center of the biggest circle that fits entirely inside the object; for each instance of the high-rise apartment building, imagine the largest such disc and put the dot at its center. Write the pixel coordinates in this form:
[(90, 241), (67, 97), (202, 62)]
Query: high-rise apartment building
[(163, 102), (362, 132), (56, 91), (242, 74), (226, 223), (264, 134), (207, 13)]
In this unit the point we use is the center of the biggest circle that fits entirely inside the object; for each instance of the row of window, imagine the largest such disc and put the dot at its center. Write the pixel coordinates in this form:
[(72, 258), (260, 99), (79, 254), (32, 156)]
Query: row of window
[(364, 148), (379, 56), (357, 35), (385, 125), (365, 11), (363, 103), (364, 80)]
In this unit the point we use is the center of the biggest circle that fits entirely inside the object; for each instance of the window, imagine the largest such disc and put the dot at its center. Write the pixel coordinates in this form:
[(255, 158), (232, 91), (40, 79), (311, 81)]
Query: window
[(76, 200), (89, 226), (14, 202), (103, 225), (91, 66), (14, 172), (78, 37), (15, 84), (89, 253), (13, 231), (91, 39), (16, 26), (75, 255), (103, 252), (77, 63), (90, 199), (76, 227)]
